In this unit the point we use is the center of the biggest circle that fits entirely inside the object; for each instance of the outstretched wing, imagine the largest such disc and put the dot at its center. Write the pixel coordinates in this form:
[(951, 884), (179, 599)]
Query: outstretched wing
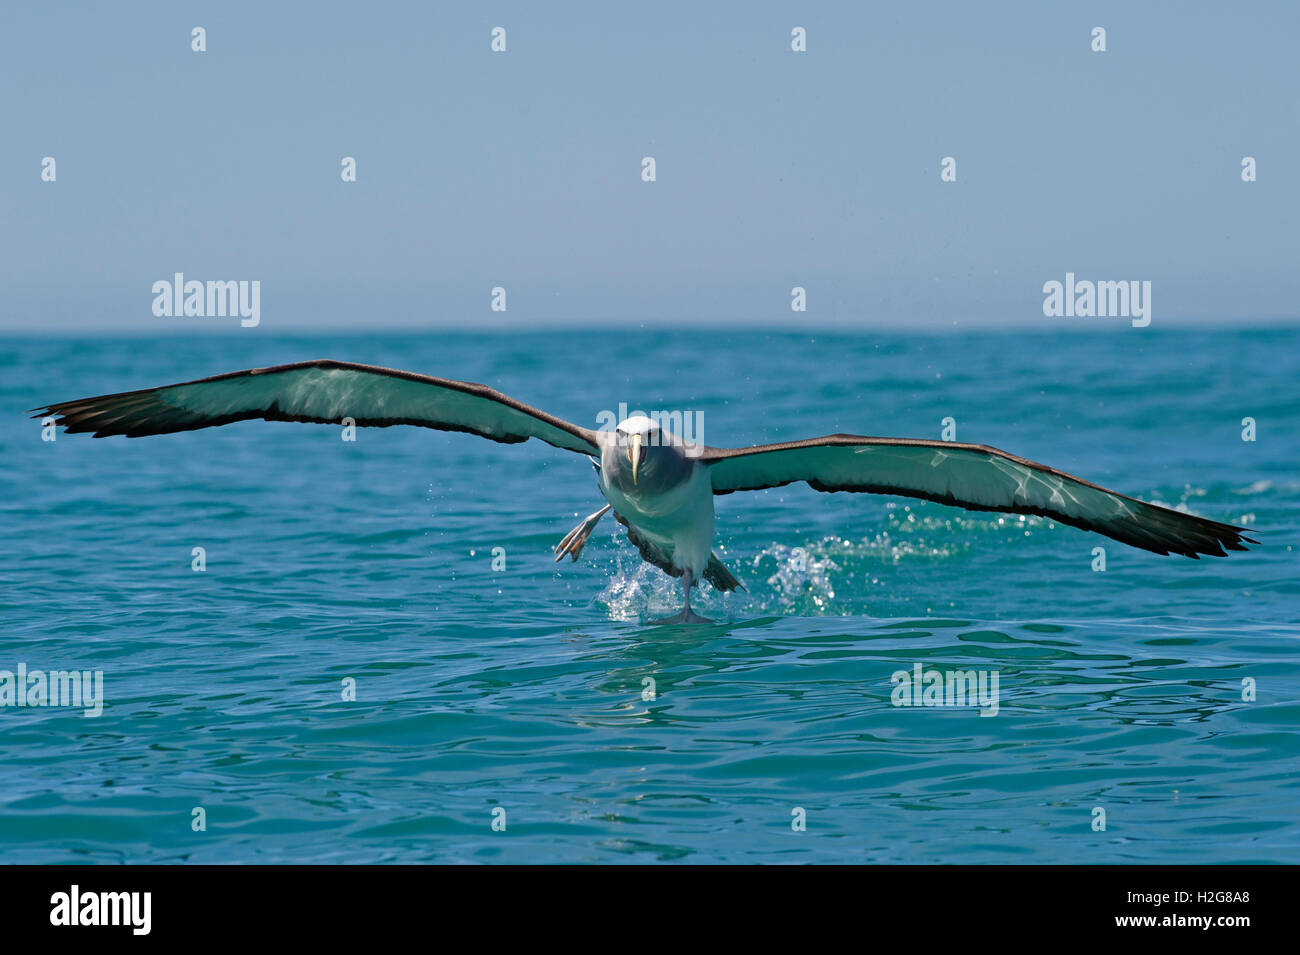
[(973, 476), (321, 391)]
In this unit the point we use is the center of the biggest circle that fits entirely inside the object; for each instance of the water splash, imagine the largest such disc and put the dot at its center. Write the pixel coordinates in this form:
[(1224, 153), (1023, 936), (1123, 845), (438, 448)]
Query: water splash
[(800, 580), (637, 589)]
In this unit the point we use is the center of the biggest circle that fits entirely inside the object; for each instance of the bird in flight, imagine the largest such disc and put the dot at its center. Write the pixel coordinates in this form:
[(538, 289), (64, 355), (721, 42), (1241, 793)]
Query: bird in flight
[(659, 487)]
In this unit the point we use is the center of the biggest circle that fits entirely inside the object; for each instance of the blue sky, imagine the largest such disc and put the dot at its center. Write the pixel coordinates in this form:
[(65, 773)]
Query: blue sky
[(522, 169)]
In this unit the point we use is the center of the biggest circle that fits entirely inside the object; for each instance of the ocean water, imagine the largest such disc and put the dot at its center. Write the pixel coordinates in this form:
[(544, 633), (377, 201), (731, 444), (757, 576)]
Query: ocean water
[(523, 688)]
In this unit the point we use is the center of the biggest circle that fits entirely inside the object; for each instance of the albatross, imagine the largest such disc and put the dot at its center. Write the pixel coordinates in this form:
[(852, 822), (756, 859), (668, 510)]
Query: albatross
[(660, 488)]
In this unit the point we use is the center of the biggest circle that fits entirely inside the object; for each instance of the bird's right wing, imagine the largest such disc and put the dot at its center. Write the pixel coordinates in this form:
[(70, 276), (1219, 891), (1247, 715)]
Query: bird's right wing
[(973, 476), (322, 391)]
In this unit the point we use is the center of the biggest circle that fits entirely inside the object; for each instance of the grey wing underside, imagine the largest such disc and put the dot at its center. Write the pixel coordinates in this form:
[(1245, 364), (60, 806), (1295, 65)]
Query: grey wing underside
[(321, 391), (976, 477), (715, 573)]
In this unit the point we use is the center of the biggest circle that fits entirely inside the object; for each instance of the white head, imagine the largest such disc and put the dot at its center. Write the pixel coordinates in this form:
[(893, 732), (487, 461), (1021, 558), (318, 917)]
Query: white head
[(637, 424), (636, 434)]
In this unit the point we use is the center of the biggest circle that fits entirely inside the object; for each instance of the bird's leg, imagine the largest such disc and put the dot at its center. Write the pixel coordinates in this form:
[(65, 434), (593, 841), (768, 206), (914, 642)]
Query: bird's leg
[(576, 539), (686, 616)]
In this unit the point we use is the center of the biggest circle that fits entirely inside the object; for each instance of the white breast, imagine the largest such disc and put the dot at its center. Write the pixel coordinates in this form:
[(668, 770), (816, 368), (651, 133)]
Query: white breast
[(679, 520)]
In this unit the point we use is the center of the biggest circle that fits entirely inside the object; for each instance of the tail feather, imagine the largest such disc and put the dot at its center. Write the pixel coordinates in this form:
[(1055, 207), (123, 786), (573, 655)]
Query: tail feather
[(715, 573), (720, 577)]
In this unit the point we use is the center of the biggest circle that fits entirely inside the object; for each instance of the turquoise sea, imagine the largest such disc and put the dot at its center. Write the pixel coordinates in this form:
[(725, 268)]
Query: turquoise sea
[(492, 684)]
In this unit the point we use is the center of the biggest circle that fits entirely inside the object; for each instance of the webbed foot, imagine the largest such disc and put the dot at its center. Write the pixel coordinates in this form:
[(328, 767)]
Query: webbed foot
[(576, 539), (685, 617)]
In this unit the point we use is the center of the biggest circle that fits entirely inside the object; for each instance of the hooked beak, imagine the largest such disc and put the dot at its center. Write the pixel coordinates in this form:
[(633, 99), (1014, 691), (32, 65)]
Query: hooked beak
[(634, 454)]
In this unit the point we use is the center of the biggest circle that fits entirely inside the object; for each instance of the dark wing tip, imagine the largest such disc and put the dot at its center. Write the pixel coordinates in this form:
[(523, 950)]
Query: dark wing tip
[(1194, 536)]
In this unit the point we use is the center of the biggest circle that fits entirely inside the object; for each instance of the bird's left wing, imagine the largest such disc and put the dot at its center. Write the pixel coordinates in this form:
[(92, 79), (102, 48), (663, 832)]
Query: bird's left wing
[(322, 391), (973, 476)]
